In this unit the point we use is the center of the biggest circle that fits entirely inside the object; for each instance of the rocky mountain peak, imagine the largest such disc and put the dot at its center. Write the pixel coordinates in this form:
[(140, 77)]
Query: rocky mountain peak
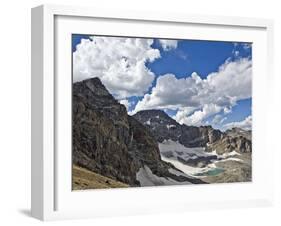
[(235, 132), (150, 117), (153, 113), (163, 127), (109, 142), (95, 85)]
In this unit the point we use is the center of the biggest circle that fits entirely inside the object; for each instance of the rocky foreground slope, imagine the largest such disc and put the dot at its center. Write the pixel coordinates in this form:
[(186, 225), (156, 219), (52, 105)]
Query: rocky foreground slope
[(113, 144)]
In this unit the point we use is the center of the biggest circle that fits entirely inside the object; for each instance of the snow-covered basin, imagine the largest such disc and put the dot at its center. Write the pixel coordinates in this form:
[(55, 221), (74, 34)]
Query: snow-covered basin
[(170, 150), (177, 149), (147, 178)]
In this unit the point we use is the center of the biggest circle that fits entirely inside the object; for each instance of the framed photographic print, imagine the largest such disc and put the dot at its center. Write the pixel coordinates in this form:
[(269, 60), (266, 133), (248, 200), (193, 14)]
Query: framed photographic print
[(142, 113)]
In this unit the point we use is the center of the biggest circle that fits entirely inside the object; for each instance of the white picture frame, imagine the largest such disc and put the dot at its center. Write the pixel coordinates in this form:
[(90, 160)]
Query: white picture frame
[(52, 197)]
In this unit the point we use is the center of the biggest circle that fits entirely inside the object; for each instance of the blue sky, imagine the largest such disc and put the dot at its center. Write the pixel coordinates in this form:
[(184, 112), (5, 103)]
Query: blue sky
[(180, 59)]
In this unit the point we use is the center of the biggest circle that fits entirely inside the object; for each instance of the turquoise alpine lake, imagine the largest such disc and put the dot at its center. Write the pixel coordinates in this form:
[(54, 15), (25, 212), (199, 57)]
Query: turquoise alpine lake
[(212, 172)]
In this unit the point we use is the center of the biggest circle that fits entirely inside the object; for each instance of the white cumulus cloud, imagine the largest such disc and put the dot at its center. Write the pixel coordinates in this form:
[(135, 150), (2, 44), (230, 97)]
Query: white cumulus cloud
[(118, 62), (196, 98), (197, 117), (245, 124), (126, 103), (168, 44), (171, 93)]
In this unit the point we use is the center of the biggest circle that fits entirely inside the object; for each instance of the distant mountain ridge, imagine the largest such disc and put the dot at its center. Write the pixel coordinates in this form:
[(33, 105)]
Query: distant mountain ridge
[(164, 127)]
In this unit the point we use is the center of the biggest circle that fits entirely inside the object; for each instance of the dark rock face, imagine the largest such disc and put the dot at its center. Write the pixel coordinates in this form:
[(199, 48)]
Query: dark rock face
[(160, 124), (108, 141), (101, 132), (193, 136), (163, 128), (231, 143)]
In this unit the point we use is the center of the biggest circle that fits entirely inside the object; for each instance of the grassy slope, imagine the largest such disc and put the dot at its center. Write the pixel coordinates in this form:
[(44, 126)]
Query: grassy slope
[(85, 179)]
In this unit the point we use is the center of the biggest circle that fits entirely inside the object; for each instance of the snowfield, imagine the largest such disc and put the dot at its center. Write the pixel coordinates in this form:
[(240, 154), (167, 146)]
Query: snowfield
[(175, 149), (188, 170), (147, 178), (171, 150)]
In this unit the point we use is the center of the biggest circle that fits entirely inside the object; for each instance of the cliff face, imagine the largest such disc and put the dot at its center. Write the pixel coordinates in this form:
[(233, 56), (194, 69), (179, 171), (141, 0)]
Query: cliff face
[(233, 140), (101, 133), (163, 128), (109, 142)]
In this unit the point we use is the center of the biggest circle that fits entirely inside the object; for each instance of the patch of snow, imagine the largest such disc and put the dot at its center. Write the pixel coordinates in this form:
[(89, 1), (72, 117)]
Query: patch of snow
[(177, 172), (188, 170), (157, 116), (226, 155), (212, 165), (231, 159), (147, 178), (171, 126), (214, 152), (148, 122), (233, 153)]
